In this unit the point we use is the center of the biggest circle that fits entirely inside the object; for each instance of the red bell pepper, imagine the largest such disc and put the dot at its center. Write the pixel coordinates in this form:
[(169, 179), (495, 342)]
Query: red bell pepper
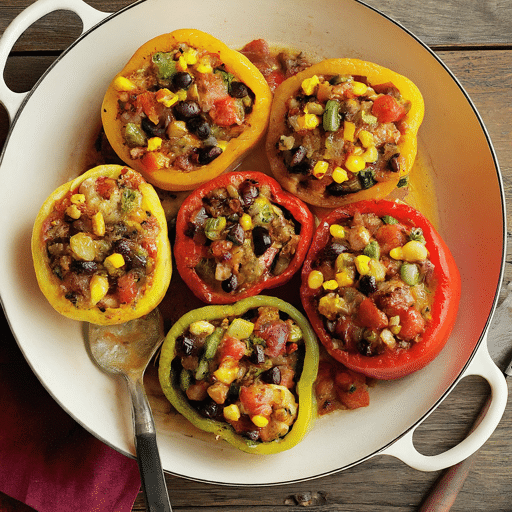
[(239, 234), (359, 305)]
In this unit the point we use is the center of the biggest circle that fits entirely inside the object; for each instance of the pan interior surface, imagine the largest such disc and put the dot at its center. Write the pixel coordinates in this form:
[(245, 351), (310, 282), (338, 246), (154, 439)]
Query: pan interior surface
[(62, 117)]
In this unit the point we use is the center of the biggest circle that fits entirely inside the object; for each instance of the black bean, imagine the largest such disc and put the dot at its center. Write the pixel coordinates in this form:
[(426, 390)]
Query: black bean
[(185, 345), (209, 409), (208, 154), (253, 435), (230, 284), (347, 187), (184, 110), (199, 126), (72, 297), (248, 192), (84, 267), (182, 80), (367, 285), (332, 251), (261, 240), (258, 354), (236, 234), (272, 375), (298, 156), (238, 90), (151, 129)]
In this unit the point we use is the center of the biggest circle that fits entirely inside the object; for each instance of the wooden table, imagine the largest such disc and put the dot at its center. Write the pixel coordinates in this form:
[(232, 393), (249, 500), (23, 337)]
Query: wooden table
[(474, 39)]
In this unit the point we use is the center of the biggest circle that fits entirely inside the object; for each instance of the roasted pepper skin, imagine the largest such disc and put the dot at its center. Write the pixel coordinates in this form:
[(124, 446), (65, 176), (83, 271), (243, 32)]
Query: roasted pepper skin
[(188, 253), (169, 380), (375, 75), (392, 364), (49, 283), (236, 63)]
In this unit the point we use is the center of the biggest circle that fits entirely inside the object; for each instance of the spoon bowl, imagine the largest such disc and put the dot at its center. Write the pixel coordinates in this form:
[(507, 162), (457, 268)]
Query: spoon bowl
[(126, 350)]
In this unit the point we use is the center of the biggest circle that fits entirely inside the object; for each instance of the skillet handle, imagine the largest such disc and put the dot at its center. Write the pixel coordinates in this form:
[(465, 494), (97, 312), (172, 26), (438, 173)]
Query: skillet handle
[(12, 100), (481, 365)]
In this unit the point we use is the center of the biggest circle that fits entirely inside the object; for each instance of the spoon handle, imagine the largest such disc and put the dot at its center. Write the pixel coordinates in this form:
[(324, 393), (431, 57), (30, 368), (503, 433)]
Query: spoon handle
[(152, 478)]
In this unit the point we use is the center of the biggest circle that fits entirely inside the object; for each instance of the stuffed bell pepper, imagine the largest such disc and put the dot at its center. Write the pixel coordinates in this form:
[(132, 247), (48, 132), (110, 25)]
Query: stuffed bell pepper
[(185, 109), (243, 372), (100, 247), (380, 288), (343, 130), (239, 234)]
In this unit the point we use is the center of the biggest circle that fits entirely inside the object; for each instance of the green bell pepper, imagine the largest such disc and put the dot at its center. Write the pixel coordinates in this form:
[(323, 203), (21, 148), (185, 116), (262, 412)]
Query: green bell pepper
[(256, 392)]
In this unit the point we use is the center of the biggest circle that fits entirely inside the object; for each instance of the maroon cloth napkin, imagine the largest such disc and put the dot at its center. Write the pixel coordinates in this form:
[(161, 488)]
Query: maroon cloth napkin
[(47, 460)]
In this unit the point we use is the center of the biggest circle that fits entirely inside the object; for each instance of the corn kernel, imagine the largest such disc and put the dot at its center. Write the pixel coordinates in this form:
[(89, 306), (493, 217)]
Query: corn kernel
[(315, 279), (349, 130), (201, 327), (204, 67), (122, 84), (359, 88), (387, 337), (246, 222), (259, 420), (308, 85), (231, 412), (414, 251), (362, 264), (344, 261), (222, 144), (166, 97), (344, 278), (308, 122), (73, 211), (337, 231), (181, 64), (371, 155), (78, 198), (115, 260), (98, 224), (154, 143), (377, 270), (320, 169), (190, 56), (397, 253), (330, 305), (314, 108), (332, 284), (177, 128), (366, 138), (339, 175), (227, 371), (98, 287), (355, 163)]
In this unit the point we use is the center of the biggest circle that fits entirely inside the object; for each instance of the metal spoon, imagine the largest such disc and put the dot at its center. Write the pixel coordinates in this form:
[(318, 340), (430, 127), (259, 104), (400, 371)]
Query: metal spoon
[(126, 349)]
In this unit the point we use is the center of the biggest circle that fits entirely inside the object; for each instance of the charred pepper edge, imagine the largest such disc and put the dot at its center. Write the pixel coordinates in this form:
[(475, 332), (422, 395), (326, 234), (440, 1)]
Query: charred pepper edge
[(375, 74), (304, 387), (187, 251), (235, 62), (391, 365), (49, 284)]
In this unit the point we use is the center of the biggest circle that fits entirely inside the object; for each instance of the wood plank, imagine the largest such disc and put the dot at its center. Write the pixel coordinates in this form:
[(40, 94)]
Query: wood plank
[(459, 22)]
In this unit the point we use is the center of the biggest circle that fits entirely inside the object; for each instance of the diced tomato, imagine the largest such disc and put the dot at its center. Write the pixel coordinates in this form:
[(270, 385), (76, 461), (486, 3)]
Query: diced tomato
[(149, 244), (257, 399), (412, 324), (221, 249), (225, 112), (232, 347), (274, 79), (387, 109), (369, 315), (152, 161), (275, 335), (390, 236), (148, 104), (105, 186), (352, 389), (126, 288), (257, 46)]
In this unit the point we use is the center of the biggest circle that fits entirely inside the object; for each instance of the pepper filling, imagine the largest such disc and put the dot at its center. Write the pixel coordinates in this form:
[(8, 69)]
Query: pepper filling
[(373, 284), (181, 110), (243, 371), (247, 237), (342, 134), (101, 242)]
